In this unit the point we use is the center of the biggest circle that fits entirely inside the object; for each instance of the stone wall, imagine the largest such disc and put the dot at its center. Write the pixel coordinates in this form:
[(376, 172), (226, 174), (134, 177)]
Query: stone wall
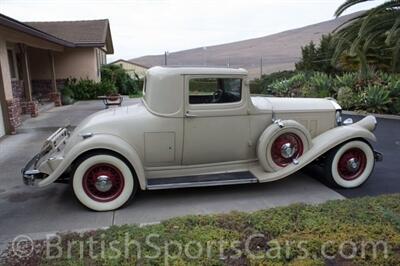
[(41, 90), (14, 115), (19, 102), (31, 108), (18, 93)]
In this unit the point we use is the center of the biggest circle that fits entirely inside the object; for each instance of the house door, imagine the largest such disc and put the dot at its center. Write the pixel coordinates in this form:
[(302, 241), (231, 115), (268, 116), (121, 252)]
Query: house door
[(216, 126)]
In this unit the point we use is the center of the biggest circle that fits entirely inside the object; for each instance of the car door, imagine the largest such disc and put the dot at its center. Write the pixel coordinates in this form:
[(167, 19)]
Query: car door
[(216, 124)]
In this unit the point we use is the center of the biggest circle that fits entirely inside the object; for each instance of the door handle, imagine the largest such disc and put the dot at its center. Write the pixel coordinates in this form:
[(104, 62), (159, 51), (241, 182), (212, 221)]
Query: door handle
[(188, 114)]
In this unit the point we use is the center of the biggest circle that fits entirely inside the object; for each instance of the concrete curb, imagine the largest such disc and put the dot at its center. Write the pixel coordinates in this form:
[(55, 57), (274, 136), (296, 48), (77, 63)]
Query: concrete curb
[(395, 117)]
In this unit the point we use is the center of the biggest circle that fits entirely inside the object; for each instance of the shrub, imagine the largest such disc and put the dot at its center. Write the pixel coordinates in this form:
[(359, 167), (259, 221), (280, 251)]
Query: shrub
[(86, 89), (116, 75), (105, 88), (348, 80), (280, 88), (394, 94), (67, 96), (256, 87), (319, 85), (280, 75), (379, 93), (376, 99), (348, 98), (297, 83), (288, 87)]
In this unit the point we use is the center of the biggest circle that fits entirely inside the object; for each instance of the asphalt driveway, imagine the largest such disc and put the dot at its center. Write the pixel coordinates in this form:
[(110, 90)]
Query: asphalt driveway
[(386, 176), (25, 210)]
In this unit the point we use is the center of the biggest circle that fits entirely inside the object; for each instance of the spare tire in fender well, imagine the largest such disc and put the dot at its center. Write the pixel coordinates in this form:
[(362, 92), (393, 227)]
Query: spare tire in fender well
[(271, 133)]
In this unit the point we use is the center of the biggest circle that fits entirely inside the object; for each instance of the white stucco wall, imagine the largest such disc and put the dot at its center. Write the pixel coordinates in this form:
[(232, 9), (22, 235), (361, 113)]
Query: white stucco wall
[(77, 63)]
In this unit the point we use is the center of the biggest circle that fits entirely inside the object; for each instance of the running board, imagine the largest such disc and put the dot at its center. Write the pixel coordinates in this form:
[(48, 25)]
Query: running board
[(202, 180)]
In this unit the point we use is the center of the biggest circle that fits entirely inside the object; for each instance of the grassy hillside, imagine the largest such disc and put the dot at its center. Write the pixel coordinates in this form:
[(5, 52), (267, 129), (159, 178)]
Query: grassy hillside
[(279, 51)]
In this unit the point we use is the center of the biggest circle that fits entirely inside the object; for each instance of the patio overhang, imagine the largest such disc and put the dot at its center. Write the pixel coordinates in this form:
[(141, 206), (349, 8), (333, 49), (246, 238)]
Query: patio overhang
[(18, 37)]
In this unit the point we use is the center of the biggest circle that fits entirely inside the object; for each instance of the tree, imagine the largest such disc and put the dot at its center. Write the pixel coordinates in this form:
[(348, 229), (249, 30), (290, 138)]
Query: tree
[(318, 58), (120, 78), (372, 38)]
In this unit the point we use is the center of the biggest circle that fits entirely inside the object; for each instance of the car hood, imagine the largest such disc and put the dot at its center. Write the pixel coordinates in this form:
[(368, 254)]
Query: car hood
[(278, 104)]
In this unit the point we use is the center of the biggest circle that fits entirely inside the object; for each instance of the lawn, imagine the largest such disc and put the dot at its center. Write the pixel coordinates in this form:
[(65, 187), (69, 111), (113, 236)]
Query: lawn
[(361, 231)]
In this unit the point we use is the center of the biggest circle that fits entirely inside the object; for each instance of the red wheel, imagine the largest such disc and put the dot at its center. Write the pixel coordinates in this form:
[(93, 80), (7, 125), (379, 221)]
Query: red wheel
[(352, 164), (103, 182), (285, 148)]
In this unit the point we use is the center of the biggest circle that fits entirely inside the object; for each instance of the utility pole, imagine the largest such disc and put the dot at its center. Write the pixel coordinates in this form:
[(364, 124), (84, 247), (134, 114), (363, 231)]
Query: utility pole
[(261, 66), (166, 58), (205, 55)]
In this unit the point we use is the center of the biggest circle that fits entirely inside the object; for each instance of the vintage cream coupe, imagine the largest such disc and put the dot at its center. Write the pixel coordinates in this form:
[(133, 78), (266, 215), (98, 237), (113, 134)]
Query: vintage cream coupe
[(197, 127)]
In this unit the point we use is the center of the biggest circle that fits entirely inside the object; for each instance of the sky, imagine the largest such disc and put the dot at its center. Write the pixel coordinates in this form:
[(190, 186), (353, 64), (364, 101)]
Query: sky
[(143, 27)]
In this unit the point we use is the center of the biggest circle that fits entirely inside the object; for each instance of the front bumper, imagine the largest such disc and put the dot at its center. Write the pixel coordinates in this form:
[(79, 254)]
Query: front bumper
[(31, 174)]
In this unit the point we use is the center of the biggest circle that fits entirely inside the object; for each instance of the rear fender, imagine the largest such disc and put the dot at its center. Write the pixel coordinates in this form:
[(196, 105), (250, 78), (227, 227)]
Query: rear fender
[(99, 141), (322, 144)]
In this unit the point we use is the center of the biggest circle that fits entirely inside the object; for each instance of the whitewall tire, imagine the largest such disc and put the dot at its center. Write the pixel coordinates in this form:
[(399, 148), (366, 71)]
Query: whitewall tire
[(103, 182), (350, 164)]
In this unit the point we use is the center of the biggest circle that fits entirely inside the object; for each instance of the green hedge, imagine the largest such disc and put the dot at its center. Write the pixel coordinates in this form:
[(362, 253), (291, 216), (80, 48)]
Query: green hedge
[(114, 79), (85, 89)]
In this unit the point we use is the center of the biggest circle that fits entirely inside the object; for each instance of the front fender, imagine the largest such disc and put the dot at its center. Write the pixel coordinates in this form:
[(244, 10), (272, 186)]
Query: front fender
[(99, 141), (322, 144)]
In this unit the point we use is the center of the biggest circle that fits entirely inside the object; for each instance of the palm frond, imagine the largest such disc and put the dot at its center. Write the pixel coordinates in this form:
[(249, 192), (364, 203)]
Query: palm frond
[(348, 4), (383, 8), (396, 54), (393, 31)]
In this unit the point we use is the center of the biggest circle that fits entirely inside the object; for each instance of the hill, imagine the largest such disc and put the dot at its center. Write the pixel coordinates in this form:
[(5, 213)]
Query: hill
[(279, 51)]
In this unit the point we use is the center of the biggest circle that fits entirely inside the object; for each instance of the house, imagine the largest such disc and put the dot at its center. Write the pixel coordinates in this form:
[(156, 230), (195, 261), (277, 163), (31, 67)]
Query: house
[(131, 67), (36, 58)]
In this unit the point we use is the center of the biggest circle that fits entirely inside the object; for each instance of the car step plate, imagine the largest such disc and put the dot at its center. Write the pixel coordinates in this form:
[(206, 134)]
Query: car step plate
[(202, 180)]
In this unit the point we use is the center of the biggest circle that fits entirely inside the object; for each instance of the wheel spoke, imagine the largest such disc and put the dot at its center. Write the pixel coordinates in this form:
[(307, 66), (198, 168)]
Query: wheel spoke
[(285, 148), (103, 182), (352, 164)]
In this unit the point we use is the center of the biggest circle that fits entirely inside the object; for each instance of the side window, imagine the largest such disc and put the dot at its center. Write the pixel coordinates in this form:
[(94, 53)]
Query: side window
[(215, 90)]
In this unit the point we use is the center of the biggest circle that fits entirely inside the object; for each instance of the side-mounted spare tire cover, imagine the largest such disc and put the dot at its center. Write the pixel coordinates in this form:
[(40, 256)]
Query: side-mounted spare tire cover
[(282, 143)]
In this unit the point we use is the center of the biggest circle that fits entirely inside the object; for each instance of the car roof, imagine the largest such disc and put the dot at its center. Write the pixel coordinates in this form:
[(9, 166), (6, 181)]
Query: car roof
[(166, 71)]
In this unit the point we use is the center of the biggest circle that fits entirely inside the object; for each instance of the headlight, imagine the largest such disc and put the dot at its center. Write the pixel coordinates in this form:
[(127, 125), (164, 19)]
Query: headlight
[(338, 117)]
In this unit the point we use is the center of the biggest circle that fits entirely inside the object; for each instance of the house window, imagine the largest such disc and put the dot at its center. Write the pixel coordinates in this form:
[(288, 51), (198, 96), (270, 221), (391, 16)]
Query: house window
[(215, 90), (12, 62)]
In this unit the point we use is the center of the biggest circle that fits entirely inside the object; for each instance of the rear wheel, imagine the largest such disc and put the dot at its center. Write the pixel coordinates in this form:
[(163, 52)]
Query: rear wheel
[(103, 182), (350, 164)]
